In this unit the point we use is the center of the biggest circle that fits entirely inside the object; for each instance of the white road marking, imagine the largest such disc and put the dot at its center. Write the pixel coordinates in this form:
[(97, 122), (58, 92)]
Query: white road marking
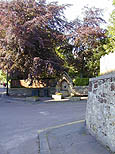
[(62, 125), (45, 113)]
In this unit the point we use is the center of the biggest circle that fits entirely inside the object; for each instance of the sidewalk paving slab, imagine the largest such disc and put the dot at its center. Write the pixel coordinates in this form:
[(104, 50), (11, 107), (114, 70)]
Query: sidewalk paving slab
[(70, 139)]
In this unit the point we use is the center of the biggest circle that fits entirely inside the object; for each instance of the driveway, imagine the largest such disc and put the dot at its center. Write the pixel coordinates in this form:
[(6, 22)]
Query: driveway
[(20, 120)]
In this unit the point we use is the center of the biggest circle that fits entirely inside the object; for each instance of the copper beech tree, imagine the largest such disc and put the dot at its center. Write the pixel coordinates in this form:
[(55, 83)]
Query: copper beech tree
[(30, 30), (36, 40), (88, 37)]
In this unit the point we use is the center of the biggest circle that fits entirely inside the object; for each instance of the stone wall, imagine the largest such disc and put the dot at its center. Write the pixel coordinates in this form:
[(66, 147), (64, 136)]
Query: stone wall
[(100, 113), (41, 92), (82, 90), (44, 92)]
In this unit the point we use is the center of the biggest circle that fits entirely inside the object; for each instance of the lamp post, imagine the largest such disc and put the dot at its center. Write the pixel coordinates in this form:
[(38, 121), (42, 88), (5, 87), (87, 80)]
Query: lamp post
[(7, 94)]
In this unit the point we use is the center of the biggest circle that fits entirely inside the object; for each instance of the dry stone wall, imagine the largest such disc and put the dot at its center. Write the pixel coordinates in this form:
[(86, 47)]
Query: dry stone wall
[(100, 114)]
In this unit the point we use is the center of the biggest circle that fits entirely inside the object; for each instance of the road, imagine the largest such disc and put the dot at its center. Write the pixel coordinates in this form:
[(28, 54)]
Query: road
[(20, 120)]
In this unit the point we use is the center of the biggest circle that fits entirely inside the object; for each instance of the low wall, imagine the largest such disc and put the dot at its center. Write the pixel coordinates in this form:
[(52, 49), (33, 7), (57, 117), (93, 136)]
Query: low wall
[(44, 92), (41, 92), (82, 90), (100, 112)]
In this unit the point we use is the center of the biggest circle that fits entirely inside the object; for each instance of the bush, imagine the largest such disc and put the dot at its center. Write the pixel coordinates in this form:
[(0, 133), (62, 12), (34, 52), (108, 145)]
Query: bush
[(81, 81)]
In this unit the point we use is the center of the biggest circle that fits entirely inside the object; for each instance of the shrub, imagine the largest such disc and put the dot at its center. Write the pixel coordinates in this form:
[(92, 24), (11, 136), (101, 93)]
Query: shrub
[(81, 81)]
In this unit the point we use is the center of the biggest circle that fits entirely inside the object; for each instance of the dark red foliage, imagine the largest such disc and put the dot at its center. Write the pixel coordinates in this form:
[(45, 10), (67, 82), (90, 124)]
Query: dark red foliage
[(88, 37), (30, 29)]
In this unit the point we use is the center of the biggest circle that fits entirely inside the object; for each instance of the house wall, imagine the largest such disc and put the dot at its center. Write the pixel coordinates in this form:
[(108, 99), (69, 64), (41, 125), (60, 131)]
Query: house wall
[(100, 112), (107, 63)]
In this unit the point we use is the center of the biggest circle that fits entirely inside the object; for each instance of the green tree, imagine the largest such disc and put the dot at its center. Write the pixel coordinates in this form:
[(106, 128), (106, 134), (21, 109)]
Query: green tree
[(2, 76), (110, 46)]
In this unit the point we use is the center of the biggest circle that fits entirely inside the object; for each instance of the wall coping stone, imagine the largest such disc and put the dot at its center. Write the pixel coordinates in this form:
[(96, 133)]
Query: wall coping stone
[(105, 76)]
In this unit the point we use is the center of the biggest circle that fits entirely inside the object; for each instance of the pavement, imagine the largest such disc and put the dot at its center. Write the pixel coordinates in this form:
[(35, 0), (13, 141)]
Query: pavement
[(70, 138)]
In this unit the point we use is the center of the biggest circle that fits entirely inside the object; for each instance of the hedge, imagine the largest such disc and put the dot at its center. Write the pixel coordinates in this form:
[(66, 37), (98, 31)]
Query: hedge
[(81, 81)]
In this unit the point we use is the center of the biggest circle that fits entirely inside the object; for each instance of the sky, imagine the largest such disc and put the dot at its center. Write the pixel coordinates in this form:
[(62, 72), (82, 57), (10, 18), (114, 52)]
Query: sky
[(75, 10)]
